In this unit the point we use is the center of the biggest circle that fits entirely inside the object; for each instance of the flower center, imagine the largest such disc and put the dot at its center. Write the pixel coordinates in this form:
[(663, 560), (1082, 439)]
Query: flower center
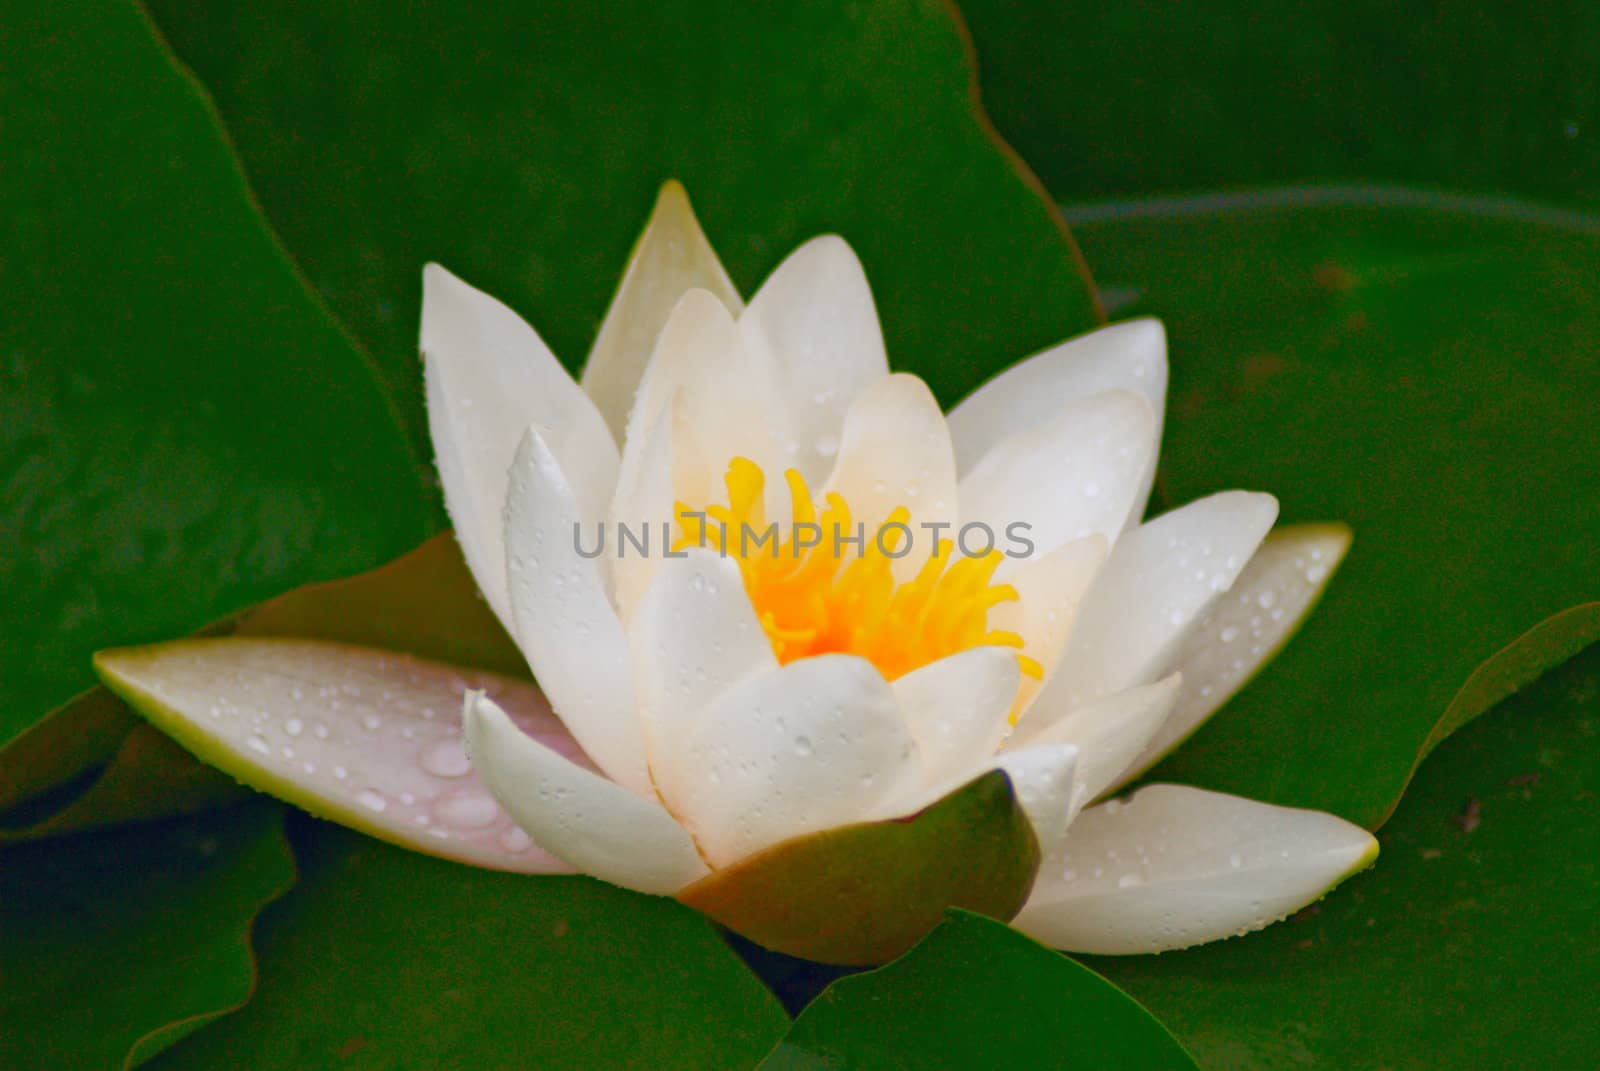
[(812, 597)]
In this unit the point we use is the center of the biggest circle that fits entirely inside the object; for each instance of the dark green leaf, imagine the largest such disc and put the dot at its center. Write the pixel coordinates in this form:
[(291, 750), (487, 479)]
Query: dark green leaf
[(1469, 945), (976, 993), (522, 148), (866, 893), (183, 429), (1425, 376), (114, 946), (1121, 99), (387, 959)]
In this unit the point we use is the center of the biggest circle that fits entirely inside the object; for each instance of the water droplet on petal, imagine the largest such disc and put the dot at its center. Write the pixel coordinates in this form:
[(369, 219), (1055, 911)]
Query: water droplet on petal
[(471, 811), (446, 759), (258, 745), (515, 840), (294, 726), (1228, 635), (372, 800)]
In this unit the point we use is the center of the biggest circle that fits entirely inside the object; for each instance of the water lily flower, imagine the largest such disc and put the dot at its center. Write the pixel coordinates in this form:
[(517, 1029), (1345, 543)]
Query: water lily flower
[(772, 592)]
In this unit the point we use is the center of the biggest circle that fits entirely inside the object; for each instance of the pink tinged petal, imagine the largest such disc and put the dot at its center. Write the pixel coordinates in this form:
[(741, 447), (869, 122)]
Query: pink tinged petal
[(1247, 628), (815, 316), (1159, 580), (364, 737), (1077, 474), (671, 258), (1177, 866), (1043, 778), (1126, 356), (695, 636), (594, 824), (894, 451), (1109, 733), (814, 744), (488, 376), (958, 709), (1049, 591), (562, 619)]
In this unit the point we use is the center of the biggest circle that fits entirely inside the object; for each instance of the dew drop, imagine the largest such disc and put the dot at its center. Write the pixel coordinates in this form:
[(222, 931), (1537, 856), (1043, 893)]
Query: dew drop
[(1091, 490), (294, 726), (258, 745), (321, 731), (372, 800), (1128, 881), (515, 840), (340, 772), (1235, 860), (472, 811), (1228, 635), (1266, 599), (802, 746), (1316, 574), (371, 722), (446, 759)]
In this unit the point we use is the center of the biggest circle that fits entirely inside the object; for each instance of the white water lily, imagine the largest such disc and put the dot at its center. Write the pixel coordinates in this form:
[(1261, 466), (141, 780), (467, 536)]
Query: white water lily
[(729, 699), (733, 698)]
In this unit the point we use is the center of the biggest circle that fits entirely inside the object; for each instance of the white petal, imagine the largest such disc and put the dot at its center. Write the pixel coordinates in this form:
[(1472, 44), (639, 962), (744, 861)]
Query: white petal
[(1077, 474), (488, 376), (895, 451), (1109, 733), (1247, 628), (694, 636), (596, 825), (644, 505), (1126, 356), (1161, 578), (671, 258), (1049, 592), (958, 708), (365, 737), (562, 619), (815, 316), (722, 394), (1177, 866), (812, 745), (1043, 778)]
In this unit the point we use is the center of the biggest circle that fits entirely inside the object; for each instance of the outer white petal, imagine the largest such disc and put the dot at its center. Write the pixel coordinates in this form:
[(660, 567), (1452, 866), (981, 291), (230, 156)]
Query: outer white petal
[(596, 825), (723, 396), (694, 636), (958, 708), (1247, 628), (672, 257), (1049, 592), (895, 451), (1125, 356), (1076, 475), (488, 376), (1109, 734), (812, 745), (1043, 778), (1160, 579), (562, 619), (815, 316), (1177, 866)]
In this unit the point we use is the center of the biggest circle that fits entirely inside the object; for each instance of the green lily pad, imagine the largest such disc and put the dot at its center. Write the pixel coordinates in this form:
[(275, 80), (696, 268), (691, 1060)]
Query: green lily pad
[(522, 149), (975, 993), (1425, 376), (383, 958), (115, 949), (863, 894), (1218, 94), (1469, 945), (186, 429)]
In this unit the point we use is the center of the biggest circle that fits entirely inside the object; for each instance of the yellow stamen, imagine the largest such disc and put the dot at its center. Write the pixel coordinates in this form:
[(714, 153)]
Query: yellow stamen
[(832, 594)]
